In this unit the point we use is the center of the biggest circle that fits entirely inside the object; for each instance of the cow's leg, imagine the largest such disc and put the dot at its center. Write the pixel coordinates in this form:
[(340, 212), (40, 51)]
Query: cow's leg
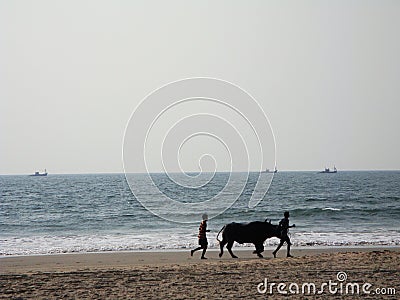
[(229, 247), (221, 246), (259, 249)]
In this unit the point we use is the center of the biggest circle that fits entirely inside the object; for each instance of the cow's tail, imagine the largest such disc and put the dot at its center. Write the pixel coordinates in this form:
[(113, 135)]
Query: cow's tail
[(219, 233)]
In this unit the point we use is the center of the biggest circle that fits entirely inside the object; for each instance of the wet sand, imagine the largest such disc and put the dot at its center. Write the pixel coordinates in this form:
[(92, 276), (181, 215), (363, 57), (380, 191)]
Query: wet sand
[(176, 275)]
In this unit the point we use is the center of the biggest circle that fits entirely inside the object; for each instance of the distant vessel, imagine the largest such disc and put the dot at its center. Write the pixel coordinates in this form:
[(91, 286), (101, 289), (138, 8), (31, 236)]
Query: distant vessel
[(39, 174), (270, 171), (327, 170)]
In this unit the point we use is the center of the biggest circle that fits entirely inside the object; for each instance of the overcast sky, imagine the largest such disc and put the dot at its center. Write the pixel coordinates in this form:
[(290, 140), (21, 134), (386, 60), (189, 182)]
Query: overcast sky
[(327, 74)]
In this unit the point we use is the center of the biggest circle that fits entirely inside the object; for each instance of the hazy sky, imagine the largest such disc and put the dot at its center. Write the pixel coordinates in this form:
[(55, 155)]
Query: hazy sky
[(327, 73)]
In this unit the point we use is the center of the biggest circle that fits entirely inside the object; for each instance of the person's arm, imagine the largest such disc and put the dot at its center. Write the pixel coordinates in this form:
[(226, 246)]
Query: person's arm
[(294, 225)]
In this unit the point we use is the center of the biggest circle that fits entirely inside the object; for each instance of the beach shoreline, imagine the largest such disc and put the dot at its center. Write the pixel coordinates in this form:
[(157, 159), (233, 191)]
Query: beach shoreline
[(60, 262), (177, 275)]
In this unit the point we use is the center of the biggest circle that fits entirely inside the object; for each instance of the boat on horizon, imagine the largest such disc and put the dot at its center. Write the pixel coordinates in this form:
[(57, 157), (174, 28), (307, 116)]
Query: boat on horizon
[(37, 173), (328, 171), (270, 171)]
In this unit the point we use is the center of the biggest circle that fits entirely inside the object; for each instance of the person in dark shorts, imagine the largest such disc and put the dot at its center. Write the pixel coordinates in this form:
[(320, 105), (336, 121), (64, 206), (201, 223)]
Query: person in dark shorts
[(284, 228), (202, 237)]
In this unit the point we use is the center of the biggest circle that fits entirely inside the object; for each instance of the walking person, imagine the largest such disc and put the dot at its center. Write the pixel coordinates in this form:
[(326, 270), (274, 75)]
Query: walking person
[(202, 237), (284, 228)]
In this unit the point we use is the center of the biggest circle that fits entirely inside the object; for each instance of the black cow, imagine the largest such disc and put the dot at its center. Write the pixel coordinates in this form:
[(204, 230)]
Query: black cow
[(254, 232)]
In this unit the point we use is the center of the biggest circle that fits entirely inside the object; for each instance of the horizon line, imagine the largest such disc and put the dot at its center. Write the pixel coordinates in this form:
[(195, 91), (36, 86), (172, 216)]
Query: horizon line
[(159, 172)]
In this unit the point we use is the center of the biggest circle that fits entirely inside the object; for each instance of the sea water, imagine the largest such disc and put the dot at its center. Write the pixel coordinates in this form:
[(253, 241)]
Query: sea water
[(98, 212)]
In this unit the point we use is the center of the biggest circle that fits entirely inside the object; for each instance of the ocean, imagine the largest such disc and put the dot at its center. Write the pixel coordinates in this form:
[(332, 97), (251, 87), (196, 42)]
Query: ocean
[(98, 212)]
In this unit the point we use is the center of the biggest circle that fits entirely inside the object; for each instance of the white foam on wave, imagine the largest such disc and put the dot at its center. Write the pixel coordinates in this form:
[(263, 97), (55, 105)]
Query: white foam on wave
[(172, 241)]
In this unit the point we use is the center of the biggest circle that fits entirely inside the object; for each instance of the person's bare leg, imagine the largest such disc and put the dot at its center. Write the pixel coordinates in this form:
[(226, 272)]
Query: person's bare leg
[(288, 248), (204, 253), (194, 250), (277, 249)]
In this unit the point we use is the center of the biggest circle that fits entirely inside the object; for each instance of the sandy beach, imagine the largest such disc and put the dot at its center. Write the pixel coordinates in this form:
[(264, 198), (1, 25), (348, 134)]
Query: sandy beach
[(176, 275)]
